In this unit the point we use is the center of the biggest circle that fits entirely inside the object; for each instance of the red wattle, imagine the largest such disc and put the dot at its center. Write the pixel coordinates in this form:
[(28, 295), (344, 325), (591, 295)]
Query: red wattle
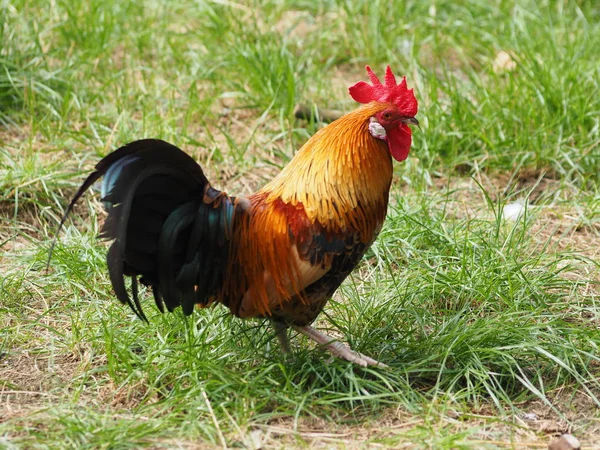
[(399, 141)]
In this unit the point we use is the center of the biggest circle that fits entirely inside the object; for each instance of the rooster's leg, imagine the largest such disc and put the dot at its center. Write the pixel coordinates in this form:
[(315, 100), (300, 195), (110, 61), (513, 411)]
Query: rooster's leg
[(337, 348), (282, 336)]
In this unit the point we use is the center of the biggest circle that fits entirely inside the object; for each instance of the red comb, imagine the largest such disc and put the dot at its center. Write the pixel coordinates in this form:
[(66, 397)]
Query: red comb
[(390, 92)]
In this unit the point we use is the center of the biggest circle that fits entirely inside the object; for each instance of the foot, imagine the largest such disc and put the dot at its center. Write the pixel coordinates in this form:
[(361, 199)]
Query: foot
[(337, 348), (281, 333)]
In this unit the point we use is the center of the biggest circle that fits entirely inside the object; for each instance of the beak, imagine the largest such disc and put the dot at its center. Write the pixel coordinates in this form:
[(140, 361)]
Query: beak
[(412, 121)]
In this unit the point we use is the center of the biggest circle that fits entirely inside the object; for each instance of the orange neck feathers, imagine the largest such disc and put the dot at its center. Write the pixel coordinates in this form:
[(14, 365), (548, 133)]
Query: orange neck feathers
[(341, 176)]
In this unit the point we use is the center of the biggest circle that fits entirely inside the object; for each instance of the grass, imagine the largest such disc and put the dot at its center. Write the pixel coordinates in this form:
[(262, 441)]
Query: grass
[(490, 324)]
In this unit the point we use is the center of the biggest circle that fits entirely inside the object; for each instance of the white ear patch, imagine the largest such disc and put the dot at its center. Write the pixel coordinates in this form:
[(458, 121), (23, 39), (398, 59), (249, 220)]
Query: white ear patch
[(376, 130)]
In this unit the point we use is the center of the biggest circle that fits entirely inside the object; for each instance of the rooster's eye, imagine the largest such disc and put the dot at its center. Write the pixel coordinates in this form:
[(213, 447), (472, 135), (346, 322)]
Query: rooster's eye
[(387, 115)]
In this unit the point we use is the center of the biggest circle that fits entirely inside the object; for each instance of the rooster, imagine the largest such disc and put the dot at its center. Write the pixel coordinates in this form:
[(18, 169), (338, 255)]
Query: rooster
[(279, 253)]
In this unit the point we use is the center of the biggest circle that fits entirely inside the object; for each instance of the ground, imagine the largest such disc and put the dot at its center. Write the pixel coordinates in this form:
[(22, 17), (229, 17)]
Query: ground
[(481, 291)]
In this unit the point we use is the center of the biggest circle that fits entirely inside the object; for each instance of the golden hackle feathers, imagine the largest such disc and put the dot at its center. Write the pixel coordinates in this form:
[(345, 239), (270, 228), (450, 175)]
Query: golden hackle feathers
[(340, 176)]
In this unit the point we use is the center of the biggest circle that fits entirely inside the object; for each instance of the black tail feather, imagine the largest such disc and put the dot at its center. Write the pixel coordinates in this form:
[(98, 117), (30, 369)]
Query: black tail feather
[(115, 271), (160, 304), (136, 297), (168, 226), (174, 232)]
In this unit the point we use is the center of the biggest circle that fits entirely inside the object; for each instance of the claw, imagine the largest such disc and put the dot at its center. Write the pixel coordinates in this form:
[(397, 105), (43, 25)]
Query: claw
[(337, 348)]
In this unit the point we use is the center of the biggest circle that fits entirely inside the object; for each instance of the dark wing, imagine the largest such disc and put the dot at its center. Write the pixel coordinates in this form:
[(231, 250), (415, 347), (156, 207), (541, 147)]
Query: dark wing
[(338, 252)]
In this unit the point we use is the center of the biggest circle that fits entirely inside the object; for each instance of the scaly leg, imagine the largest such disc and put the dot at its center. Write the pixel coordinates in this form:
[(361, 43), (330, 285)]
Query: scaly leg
[(337, 348), (281, 333)]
